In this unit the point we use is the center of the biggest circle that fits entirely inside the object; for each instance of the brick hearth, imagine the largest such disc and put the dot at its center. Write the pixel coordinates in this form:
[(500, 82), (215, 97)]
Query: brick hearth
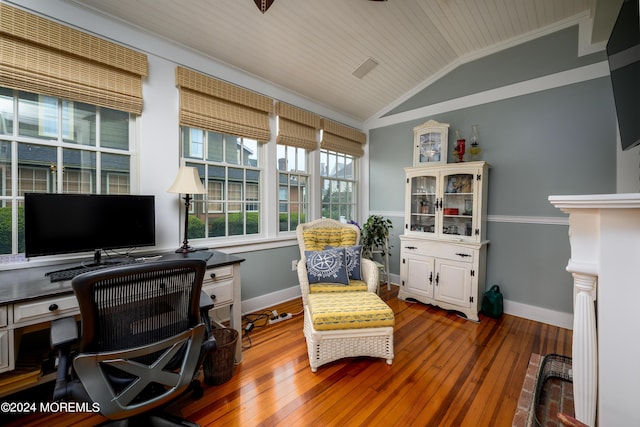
[(555, 396)]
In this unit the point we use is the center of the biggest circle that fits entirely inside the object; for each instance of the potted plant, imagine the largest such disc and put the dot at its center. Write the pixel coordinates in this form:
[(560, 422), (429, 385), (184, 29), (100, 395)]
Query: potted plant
[(375, 235)]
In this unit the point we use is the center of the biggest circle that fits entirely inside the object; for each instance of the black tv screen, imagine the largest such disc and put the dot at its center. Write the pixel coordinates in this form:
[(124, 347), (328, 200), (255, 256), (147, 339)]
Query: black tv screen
[(623, 52), (68, 223)]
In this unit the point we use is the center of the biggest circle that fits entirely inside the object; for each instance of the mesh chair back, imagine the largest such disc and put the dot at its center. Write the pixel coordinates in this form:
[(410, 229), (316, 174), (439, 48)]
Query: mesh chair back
[(139, 304), (141, 333)]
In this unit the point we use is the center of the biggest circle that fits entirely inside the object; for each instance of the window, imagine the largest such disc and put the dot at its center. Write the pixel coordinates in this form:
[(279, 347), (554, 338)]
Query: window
[(293, 187), (52, 145), (338, 182), (229, 167)]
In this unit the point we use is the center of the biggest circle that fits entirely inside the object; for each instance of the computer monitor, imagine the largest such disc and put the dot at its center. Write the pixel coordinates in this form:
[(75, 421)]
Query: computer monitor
[(71, 223)]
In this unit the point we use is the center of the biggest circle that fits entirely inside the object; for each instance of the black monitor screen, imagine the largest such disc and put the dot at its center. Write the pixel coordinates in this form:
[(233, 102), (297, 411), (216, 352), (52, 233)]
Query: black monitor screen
[(623, 51), (66, 223)]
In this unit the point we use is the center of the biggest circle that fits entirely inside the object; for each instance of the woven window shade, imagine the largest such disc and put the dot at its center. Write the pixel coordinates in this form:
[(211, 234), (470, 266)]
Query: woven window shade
[(341, 138), (211, 104), (296, 127), (42, 56)]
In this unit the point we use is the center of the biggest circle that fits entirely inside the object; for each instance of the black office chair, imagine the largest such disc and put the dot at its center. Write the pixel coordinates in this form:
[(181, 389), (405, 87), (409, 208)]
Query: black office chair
[(141, 342)]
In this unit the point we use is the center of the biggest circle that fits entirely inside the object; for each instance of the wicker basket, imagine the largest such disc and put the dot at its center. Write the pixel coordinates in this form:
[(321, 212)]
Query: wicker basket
[(218, 364)]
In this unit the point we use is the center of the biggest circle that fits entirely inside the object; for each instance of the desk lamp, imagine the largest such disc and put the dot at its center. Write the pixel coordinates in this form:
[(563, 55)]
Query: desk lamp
[(187, 182)]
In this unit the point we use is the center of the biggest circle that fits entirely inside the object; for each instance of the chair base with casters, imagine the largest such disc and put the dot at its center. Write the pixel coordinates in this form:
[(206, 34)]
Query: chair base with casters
[(334, 330)]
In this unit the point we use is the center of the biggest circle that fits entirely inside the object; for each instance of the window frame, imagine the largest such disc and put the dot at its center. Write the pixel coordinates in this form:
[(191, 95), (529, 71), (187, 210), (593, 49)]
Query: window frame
[(240, 160), (297, 173), (338, 178), (54, 178)]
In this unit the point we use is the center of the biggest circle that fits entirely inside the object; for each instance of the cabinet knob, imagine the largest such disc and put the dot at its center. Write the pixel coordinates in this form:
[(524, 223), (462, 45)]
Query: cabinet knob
[(431, 277), (411, 247), (53, 307), (212, 275), (213, 297), (437, 278)]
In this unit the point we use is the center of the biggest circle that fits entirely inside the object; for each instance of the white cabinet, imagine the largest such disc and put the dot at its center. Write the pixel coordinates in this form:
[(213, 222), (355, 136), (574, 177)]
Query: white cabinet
[(443, 250), (447, 202)]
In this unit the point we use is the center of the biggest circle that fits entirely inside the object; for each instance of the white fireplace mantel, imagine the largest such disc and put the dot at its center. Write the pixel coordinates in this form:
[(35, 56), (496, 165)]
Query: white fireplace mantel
[(604, 233)]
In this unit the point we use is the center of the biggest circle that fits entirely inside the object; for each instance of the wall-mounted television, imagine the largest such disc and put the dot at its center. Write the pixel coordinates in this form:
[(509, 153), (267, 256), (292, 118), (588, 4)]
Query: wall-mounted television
[(623, 52), (71, 223)]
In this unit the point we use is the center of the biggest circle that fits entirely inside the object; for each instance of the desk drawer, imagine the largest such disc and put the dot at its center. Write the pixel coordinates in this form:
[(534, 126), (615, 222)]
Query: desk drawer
[(220, 291), (3, 316), (6, 350), (45, 309), (219, 273)]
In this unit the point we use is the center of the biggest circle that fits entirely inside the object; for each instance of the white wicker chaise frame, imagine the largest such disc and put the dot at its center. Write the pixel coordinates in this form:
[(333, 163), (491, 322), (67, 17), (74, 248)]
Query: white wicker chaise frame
[(327, 346)]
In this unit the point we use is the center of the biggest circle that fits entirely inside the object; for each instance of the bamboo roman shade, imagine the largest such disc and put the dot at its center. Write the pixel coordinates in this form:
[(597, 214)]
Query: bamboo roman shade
[(212, 104), (341, 138), (297, 127), (41, 56)]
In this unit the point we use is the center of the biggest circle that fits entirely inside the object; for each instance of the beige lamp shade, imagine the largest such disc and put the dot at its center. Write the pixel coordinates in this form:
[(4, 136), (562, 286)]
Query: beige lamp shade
[(187, 182)]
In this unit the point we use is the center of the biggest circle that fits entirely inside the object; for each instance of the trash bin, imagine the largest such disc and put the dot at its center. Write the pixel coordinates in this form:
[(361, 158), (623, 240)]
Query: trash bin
[(218, 364)]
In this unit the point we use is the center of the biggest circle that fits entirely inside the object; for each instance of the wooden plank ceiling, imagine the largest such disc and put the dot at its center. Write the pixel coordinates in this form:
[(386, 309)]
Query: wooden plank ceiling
[(312, 47)]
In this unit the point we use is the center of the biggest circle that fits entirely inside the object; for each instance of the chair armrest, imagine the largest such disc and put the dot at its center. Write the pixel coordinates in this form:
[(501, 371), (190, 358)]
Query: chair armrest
[(64, 332), (303, 279), (206, 303), (370, 274)]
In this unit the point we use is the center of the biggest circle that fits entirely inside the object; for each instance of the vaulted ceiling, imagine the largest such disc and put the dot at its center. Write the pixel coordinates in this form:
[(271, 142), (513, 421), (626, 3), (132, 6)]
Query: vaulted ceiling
[(313, 47)]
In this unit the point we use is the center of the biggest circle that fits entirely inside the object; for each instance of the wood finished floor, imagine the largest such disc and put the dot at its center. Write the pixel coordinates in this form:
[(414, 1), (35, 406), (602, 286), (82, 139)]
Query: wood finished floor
[(447, 371)]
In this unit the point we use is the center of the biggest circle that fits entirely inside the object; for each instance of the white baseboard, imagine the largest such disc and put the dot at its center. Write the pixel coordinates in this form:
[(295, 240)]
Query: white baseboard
[(253, 305), (539, 314)]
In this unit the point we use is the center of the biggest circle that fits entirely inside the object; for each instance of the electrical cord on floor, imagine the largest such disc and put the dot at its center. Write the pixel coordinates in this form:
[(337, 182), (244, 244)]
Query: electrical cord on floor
[(250, 321)]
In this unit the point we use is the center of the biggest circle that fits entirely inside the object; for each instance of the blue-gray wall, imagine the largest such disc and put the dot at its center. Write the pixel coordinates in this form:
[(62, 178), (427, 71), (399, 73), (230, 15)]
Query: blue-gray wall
[(556, 141)]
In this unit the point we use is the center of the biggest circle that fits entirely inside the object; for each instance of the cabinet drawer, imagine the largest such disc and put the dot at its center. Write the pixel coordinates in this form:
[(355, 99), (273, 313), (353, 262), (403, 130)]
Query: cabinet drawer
[(220, 291), (439, 250), (220, 273), (45, 309), (3, 316)]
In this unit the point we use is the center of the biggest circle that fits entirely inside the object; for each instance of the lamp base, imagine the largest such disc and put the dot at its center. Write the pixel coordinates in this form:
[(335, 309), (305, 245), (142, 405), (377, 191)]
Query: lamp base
[(185, 250)]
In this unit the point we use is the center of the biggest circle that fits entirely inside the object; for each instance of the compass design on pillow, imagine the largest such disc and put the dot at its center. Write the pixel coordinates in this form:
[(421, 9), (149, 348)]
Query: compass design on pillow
[(325, 263)]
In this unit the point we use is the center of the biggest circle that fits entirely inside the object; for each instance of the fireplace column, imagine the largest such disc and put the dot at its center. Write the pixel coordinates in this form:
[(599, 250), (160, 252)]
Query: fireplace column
[(604, 233), (585, 348)]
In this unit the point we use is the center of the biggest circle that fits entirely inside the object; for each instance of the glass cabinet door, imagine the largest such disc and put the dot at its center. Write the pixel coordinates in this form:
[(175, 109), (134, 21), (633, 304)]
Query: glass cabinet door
[(423, 204), (457, 205)]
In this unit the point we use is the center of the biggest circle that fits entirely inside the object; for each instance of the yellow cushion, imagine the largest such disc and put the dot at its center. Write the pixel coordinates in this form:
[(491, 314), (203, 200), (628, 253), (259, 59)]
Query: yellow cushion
[(316, 239), (353, 286), (350, 310)]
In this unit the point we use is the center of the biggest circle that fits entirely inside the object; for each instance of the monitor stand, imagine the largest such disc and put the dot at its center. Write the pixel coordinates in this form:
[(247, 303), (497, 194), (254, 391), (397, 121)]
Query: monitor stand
[(97, 257), (98, 260)]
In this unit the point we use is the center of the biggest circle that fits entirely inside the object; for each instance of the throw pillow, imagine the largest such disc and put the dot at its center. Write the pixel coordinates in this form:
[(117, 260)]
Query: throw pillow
[(354, 266), (327, 266)]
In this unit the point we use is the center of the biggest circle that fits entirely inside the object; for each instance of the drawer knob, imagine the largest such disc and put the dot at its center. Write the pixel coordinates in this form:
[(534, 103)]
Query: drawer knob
[(213, 297), (462, 254), (53, 307), (212, 275)]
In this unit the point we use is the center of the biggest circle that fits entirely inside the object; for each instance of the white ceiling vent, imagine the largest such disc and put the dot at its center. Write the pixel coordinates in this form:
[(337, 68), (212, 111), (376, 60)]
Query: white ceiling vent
[(368, 65)]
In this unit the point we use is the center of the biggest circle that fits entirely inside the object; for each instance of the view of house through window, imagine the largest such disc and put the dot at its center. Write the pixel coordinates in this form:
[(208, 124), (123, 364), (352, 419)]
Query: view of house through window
[(338, 182), (51, 145), (293, 187), (230, 169)]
